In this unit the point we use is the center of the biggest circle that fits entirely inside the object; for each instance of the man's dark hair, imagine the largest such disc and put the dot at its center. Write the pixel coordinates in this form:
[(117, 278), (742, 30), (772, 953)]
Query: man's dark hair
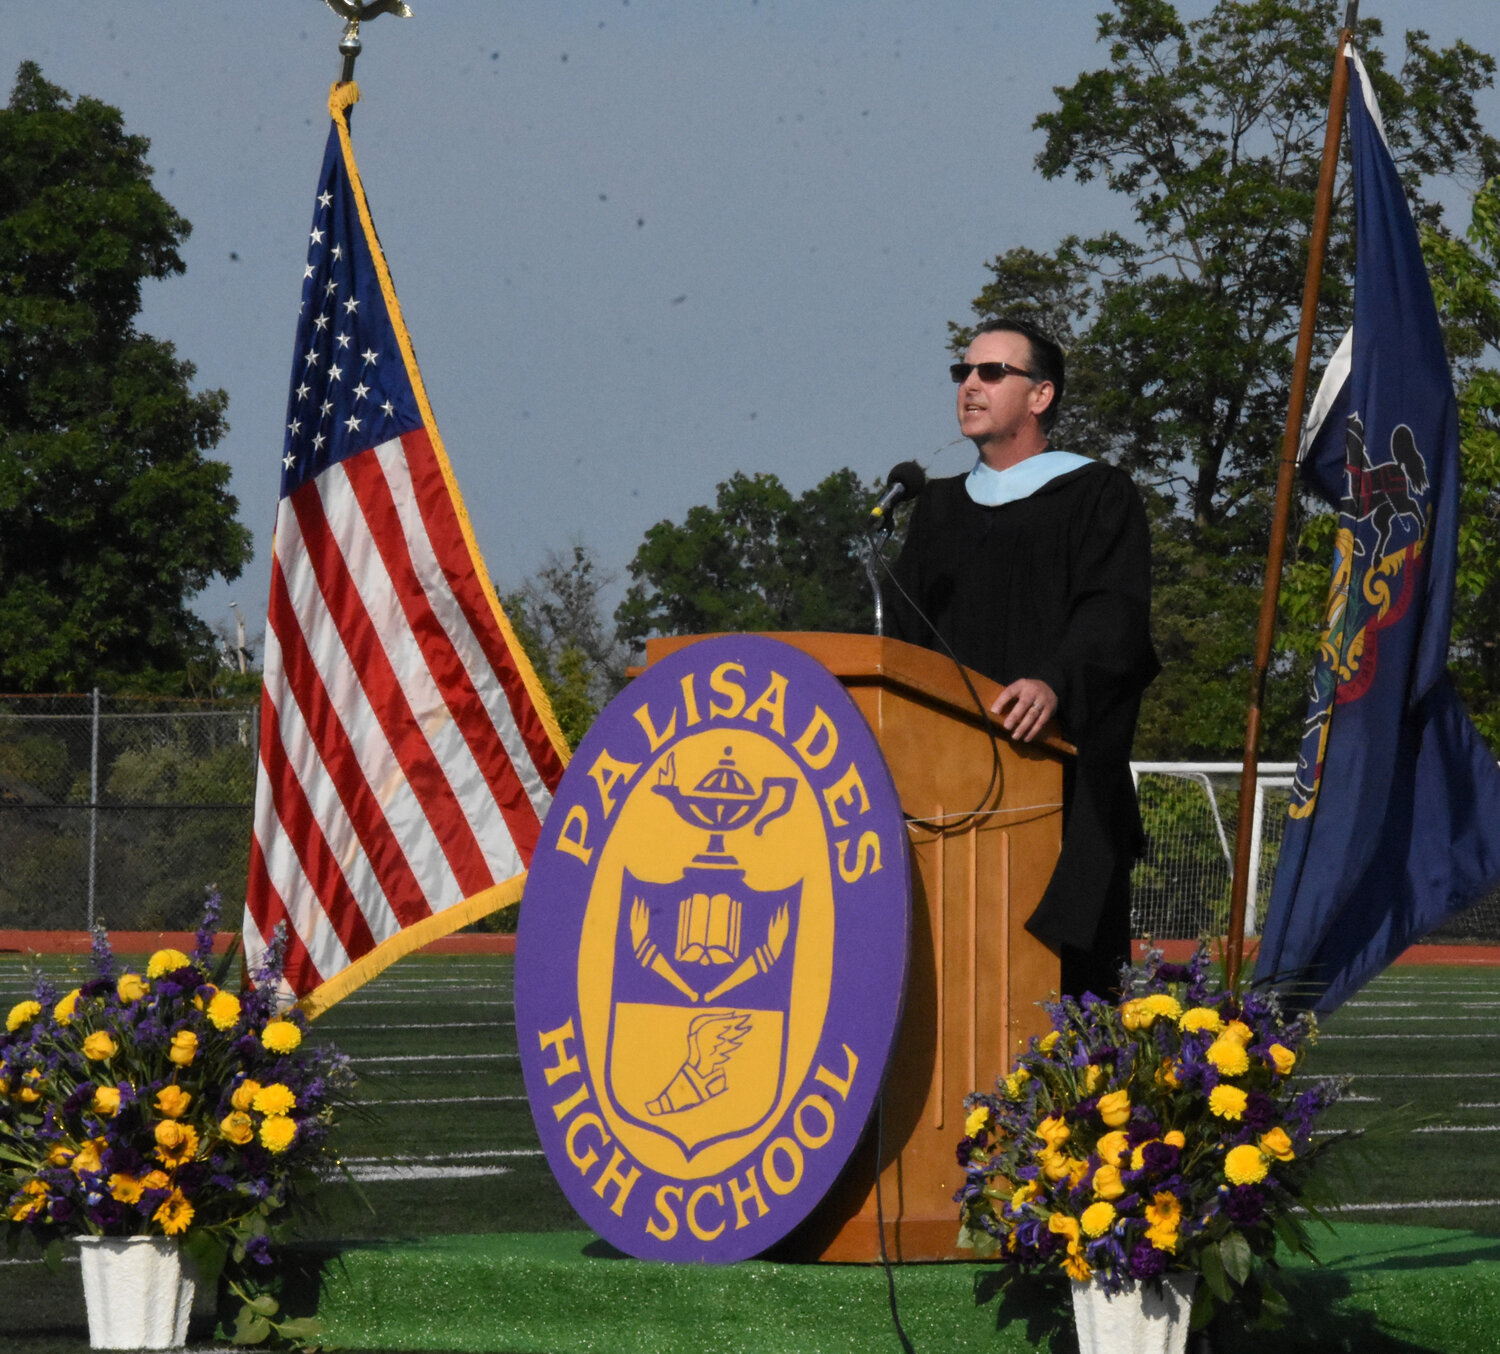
[(1046, 359)]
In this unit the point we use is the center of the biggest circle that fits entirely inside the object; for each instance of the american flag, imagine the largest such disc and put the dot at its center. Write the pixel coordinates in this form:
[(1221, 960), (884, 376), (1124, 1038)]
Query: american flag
[(407, 753)]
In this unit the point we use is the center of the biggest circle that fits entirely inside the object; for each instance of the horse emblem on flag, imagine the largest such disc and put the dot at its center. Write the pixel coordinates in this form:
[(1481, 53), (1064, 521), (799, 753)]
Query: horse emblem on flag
[(1379, 552), (702, 972)]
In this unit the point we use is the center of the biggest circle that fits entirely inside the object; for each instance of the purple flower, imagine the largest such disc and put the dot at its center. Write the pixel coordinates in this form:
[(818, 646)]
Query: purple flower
[(1160, 1158), (1146, 1262), (258, 1249), (1260, 1111), (204, 942), (103, 956), (1242, 1205)]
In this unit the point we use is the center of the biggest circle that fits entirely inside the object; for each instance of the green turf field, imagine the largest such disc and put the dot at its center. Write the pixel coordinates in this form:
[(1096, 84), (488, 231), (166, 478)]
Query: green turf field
[(446, 1146)]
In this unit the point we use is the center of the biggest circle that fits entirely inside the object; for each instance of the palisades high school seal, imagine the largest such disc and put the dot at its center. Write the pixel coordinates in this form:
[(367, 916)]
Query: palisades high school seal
[(712, 952)]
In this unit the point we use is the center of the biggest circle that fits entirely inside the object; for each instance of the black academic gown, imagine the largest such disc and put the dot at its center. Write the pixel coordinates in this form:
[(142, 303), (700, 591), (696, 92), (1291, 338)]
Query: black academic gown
[(1055, 586)]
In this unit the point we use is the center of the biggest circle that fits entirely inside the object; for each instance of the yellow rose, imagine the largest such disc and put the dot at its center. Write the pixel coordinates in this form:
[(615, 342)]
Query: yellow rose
[(184, 1048), (1135, 1016), (100, 1046), (281, 1036), (273, 1099), (1053, 1131), (63, 1011), (224, 1010), (60, 1155), (1275, 1143), (1093, 1074), (1175, 1138), (132, 987), (1282, 1058), (166, 961), (1107, 1182), (1112, 1146), (174, 1213), (238, 1127), (173, 1101), (1201, 1018), (22, 1013), (1237, 1029), (978, 1119), (277, 1132), (106, 1101), (156, 1180), (1168, 1075), (1060, 1224), (1228, 1102), (244, 1094), (1228, 1054), (86, 1158), (175, 1142), (33, 1201), (1055, 1166), (1114, 1109), (1244, 1165), (1098, 1218)]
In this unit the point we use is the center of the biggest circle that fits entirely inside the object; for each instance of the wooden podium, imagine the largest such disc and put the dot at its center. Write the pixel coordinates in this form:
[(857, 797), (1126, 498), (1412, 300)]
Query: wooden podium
[(976, 973)]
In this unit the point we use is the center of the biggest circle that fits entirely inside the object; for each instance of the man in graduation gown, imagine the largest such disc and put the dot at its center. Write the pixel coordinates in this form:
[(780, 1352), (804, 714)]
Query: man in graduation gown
[(1035, 568)]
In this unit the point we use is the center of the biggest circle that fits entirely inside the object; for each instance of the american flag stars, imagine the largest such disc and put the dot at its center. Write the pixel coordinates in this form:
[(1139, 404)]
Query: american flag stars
[(343, 315)]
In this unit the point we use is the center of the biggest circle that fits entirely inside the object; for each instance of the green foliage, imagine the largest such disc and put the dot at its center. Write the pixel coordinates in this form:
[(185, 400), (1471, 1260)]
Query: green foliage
[(557, 616), (758, 560), (1181, 332), (110, 513)]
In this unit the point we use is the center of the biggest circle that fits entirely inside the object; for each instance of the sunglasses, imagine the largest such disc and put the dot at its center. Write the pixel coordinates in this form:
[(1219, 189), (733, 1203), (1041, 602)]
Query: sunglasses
[(989, 372)]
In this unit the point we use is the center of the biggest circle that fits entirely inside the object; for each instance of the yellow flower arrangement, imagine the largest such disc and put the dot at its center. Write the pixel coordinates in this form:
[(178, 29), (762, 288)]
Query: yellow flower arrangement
[(1114, 1108), (172, 1101), (166, 961), (1245, 1165), (281, 1036), (132, 987), (22, 1013), (176, 1143), (100, 1046), (238, 1127), (1228, 1102), (273, 1099), (223, 1010), (277, 1132)]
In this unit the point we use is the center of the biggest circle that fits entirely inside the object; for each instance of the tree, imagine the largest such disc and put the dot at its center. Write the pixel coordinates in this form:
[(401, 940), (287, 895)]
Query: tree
[(557, 616), (111, 516), (758, 560), (1181, 332)]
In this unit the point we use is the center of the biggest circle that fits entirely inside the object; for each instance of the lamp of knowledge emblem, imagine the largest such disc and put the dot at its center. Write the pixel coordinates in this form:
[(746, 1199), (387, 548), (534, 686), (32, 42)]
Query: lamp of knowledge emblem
[(712, 952)]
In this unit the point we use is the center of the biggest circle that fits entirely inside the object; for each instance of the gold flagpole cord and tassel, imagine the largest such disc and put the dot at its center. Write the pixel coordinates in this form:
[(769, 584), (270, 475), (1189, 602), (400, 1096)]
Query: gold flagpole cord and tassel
[(1286, 475)]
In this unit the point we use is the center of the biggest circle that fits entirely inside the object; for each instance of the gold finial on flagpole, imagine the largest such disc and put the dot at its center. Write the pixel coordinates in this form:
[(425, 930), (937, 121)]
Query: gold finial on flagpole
[(354, 13)]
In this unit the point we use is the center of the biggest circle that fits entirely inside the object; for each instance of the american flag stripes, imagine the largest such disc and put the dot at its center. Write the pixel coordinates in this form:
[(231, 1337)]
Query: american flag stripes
[(407, 753)]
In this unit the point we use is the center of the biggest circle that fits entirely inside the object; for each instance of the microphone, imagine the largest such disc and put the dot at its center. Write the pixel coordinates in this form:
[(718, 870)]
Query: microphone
[(906, 480)]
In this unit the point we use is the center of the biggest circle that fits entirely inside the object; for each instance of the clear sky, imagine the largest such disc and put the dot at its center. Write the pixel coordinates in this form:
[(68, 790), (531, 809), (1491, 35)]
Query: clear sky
[(639, 244)]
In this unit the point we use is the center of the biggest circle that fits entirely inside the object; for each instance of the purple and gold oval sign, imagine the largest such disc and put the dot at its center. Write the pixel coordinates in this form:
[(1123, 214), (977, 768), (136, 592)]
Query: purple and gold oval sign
[(712, 952)]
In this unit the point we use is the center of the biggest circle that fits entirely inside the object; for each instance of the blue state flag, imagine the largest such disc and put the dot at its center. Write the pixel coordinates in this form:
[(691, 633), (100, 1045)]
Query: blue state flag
[(1394, 824)]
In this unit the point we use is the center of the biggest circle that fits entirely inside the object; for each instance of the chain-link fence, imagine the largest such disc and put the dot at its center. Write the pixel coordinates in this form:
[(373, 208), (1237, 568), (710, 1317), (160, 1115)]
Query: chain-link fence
[(1180, 888), (121, 810)]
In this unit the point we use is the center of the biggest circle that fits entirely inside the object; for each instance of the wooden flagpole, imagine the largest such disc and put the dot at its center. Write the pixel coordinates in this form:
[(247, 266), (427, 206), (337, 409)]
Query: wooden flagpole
[(1285, 479)]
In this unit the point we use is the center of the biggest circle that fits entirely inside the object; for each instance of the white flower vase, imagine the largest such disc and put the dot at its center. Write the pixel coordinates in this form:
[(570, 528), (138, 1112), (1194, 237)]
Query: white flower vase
[(1142, 1318), (138, 1296)]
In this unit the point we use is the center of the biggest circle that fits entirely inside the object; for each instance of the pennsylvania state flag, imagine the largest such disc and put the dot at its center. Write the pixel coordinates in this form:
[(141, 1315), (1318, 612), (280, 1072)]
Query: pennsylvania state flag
[(1394, 823)]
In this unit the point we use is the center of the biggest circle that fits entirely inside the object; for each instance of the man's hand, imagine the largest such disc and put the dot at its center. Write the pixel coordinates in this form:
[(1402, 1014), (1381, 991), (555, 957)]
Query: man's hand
[(1031, 703)]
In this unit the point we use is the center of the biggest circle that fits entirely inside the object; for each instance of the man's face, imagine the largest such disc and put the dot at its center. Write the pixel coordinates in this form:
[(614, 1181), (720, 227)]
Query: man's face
[(993, 413)]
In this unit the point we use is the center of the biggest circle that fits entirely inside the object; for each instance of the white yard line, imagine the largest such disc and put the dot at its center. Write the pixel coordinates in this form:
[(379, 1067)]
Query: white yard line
[(446, 1100)]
